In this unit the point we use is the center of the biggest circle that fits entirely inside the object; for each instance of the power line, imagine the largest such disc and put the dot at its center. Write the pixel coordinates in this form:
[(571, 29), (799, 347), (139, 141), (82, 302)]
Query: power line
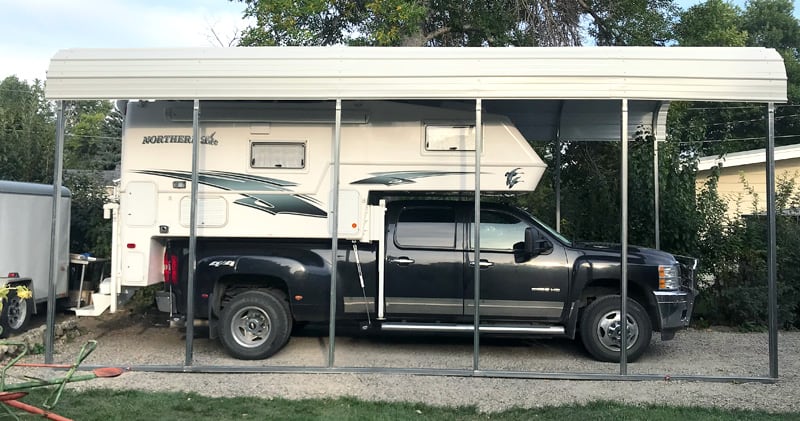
[(741, 107), (736, 139)]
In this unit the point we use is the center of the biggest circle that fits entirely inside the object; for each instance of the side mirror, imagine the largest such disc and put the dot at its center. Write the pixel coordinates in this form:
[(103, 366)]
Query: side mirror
[(535, 243)]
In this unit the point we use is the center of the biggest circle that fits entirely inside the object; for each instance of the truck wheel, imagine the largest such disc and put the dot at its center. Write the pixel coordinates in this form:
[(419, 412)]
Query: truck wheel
[(601, 329), (16, 314), (255, 324)]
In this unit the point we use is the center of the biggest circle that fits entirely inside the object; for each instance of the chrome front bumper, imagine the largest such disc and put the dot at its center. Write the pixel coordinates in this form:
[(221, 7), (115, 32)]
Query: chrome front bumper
[(675, 307)]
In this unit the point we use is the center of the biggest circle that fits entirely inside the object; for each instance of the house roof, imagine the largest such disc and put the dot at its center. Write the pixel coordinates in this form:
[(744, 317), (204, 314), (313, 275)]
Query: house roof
[(755, 156), (301, 73)]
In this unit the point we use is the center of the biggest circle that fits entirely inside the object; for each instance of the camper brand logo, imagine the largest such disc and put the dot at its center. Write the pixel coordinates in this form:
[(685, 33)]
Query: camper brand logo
[(170, 138), (512, 177)]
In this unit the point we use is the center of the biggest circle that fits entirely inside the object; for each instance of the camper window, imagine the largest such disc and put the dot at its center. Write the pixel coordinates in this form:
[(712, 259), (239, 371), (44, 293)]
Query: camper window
[(449, 138), (277, 155)]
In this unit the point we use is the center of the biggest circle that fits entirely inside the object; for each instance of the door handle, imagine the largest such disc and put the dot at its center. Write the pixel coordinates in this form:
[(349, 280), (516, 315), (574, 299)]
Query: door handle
[(401, 260), (483, 264)]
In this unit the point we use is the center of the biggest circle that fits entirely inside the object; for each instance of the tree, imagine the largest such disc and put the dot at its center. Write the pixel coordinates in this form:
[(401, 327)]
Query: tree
[(772, 23), (630, 22), (713, 23), (413, 22), (27, 132), (458, 22), (716, 129), (94, 130)]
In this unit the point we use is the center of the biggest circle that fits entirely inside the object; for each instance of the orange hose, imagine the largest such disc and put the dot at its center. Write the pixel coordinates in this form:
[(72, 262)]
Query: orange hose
[(36, 411)]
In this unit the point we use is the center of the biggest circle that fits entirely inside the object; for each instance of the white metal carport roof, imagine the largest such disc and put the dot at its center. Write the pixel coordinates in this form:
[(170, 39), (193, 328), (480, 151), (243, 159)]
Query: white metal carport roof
[(635, 73)]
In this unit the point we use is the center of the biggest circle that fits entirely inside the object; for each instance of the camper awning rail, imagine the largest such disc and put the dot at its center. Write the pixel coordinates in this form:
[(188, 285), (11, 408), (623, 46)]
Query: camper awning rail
[(303, 73)]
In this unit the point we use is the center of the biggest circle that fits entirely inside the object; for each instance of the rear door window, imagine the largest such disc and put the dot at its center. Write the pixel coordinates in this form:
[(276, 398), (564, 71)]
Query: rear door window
[(426, 227)]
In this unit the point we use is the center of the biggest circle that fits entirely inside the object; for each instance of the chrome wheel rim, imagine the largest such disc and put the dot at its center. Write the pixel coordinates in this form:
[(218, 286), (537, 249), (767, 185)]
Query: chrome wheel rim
[(250, 327), (17, 312), (609, 331)]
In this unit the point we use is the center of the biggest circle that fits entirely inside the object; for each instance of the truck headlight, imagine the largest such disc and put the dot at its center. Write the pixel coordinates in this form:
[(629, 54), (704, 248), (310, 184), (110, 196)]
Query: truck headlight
[(669, 277)]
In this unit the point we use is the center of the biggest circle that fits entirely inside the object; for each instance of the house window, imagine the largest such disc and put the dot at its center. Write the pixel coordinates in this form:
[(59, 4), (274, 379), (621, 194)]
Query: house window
[(450, 138), (277, 155)]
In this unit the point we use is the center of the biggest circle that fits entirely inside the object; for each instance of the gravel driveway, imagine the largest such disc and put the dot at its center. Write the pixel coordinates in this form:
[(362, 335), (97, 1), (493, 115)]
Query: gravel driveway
[(126, 340)]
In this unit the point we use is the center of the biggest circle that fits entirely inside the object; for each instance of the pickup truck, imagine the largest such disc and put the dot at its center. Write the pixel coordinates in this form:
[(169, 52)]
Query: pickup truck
[(533, 281)]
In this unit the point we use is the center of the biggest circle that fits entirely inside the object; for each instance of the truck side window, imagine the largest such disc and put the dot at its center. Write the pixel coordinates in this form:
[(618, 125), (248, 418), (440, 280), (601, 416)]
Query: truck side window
[(499, 230), (433, 227)]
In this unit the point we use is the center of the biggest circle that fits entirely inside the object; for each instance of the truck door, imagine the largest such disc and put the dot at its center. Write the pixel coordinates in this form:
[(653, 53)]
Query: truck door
[(513, 285), (423, 265)]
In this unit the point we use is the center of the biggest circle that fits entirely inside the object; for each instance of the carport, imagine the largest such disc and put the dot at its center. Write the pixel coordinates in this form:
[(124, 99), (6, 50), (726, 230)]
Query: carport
[(552, 94)]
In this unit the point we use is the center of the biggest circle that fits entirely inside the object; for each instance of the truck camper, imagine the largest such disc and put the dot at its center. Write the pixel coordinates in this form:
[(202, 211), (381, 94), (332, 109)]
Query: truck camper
[(264, 228)]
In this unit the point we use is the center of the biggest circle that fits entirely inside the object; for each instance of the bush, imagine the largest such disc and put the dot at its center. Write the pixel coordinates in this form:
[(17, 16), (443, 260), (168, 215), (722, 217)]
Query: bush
[(734, 255), (89, 232)]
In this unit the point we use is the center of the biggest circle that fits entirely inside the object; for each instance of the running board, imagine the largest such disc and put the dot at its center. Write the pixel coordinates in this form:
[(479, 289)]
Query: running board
[(448, 327)]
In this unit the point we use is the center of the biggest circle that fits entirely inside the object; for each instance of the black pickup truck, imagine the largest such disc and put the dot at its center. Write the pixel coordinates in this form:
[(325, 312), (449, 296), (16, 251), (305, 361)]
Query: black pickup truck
[(533, 282)]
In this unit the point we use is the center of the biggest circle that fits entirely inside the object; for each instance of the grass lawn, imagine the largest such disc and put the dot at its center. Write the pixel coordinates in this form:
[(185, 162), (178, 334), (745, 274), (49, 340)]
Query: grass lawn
[(126, 405)]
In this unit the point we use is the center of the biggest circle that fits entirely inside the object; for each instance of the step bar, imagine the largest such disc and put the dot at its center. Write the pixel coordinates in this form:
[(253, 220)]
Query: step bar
[(453, 327)]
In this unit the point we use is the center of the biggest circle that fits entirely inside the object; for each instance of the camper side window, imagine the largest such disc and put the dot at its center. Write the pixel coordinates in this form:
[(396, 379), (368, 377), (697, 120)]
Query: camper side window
[(277, 155), (449, 138)]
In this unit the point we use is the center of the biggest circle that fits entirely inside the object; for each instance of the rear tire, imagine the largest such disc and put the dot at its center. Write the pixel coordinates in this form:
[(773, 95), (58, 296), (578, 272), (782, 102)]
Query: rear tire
[(601, 330), (15, 315), (255, 324)]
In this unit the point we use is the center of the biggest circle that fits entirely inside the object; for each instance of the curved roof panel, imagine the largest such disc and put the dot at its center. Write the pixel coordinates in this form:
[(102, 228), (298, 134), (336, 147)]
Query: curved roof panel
[(300, 73)]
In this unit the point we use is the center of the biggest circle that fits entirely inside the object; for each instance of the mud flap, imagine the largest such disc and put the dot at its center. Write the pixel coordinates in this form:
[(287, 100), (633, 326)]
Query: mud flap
[(572, 321), (213, 321)]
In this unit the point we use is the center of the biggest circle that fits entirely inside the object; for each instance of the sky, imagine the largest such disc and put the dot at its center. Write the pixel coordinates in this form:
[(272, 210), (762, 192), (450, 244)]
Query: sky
[(32, 31)]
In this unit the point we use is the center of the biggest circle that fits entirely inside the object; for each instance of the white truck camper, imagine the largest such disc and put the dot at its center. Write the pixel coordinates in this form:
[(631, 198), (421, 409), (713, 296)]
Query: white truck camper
[(25, 237), (265, 172)]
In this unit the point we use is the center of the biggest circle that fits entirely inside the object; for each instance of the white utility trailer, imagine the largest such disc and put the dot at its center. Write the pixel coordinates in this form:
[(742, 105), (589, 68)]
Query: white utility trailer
[(26, 223)]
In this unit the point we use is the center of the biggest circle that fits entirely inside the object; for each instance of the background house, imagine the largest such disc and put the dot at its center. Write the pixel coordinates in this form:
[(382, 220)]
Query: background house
[(744, 173)]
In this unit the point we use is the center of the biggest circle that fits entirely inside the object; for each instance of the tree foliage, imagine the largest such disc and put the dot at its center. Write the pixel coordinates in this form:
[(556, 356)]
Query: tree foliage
[(734, 289), (714, 128), (27, 132), (713, 23), (630, 22), (458, 23), (92, 144), (93, 135)]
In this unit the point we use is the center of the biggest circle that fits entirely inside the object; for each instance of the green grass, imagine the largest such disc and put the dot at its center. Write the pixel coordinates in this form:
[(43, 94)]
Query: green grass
[(133, 405)]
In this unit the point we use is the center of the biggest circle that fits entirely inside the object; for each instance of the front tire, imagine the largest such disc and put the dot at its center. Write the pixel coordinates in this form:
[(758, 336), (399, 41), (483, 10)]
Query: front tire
[(255, 324), (15, 315), (601, 329)]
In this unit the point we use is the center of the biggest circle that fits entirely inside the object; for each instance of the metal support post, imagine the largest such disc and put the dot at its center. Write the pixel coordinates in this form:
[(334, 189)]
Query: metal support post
[(333, 216), (656, 208), (192, 233), (772, 294), (55, 237), (477, 241), (623, 354), (557, 154)]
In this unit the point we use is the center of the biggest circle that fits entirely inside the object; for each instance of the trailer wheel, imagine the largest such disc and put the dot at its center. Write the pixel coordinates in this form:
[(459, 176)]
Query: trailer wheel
[(255, 324), (16, 314), (601, 329)]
